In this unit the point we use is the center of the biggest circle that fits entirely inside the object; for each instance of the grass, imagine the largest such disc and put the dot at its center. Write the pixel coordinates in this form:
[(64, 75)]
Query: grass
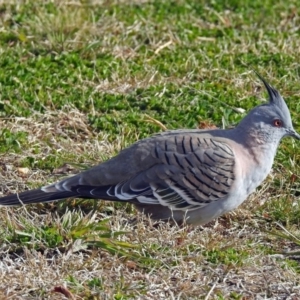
[(81, 80)]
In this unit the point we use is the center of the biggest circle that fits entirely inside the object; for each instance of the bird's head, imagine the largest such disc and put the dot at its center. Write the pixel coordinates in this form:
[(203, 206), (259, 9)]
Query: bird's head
[(270, 121)]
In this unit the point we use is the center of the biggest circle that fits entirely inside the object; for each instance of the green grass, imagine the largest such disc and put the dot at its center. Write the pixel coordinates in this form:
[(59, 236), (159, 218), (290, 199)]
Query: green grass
[(78, 82)]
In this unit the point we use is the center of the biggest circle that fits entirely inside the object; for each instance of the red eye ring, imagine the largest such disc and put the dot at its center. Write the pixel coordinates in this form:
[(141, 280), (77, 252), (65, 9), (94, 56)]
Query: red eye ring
[(277, 123)]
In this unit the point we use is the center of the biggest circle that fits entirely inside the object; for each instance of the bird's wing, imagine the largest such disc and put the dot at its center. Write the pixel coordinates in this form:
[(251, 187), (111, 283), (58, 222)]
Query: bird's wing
[(188, 172), (180, 171)]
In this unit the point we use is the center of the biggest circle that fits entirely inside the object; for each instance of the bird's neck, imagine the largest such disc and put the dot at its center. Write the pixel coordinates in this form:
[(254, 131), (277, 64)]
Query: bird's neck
[(257, 159), (260, 144)]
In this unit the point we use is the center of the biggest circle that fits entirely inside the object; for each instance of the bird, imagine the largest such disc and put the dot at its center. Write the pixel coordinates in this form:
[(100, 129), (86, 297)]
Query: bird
[(189, 176)]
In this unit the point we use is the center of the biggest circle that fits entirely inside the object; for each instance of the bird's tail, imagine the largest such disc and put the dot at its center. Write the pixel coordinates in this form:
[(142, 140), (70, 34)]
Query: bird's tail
[(34, 196)]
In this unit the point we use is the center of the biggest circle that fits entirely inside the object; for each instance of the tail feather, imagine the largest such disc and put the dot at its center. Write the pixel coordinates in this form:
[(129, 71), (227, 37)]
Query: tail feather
[(34, 196)]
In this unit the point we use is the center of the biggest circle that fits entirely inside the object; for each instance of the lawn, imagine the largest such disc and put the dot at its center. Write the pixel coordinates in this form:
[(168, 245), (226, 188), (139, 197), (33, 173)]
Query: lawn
[(81, 80)]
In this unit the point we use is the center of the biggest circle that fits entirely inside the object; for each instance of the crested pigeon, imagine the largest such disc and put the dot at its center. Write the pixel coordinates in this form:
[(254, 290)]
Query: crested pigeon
[(190, 176)]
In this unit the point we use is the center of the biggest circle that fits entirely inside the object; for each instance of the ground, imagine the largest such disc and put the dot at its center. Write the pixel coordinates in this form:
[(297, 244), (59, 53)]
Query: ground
[(81, 80)]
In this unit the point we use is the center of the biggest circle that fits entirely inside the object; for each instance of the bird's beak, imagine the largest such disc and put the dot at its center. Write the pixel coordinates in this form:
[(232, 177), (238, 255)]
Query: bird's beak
[(294, 134)]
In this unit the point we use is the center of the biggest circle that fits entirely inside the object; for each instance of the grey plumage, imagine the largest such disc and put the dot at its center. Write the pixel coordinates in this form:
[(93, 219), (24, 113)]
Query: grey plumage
[(195, 175)]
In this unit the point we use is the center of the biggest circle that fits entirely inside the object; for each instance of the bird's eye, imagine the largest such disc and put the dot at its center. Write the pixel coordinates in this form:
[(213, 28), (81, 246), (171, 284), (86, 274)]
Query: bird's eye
[(277, 123)]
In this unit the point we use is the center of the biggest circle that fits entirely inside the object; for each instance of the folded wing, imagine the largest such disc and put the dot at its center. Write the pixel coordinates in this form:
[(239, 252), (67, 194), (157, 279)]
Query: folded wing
[(187, 173)]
